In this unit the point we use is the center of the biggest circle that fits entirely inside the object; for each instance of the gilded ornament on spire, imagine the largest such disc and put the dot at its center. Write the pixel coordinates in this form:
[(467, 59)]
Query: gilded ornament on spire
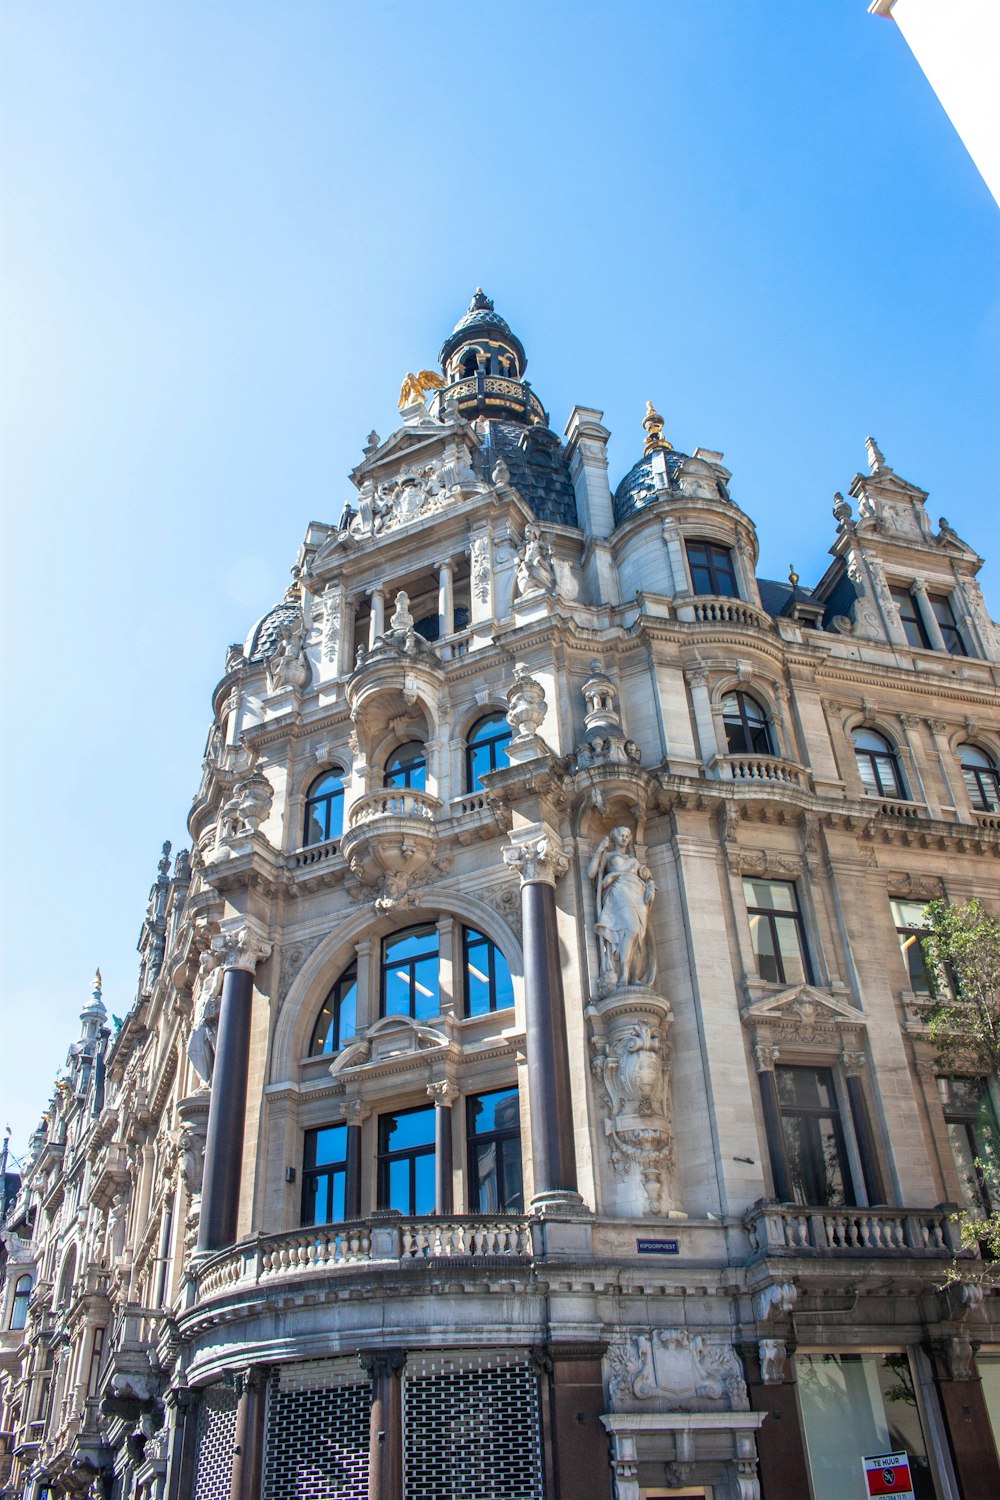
[(653, 424), (415, 387), (793, 577)]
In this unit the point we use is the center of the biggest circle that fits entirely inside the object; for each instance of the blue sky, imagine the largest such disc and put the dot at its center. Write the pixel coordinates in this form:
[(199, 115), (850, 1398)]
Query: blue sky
[(229, 230)]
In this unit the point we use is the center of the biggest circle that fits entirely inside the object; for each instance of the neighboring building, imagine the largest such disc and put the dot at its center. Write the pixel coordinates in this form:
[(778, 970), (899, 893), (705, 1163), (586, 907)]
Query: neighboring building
[(957, 44), (539, 1014)]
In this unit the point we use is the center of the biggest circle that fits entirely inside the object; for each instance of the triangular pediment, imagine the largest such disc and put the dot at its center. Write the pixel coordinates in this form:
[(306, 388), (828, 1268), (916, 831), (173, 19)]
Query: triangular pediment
[(803, 1005), (414, 443)]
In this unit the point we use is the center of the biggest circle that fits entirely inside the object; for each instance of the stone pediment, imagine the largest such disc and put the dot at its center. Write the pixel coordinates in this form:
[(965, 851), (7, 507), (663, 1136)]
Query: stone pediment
[(803, 1012), (388, 1038)]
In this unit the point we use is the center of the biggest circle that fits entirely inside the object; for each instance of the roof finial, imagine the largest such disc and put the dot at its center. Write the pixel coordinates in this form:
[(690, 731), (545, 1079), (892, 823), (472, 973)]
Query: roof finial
[(293, 593), (793, 577), (653, 424), (876, 458), (97, 985)]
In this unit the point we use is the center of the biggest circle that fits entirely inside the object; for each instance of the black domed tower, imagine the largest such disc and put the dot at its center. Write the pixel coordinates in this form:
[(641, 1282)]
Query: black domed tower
[(484, 365)]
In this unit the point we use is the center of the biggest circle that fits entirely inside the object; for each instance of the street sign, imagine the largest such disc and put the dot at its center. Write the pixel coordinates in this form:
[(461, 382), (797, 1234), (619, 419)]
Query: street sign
[(889, 1474), (658, 1247)]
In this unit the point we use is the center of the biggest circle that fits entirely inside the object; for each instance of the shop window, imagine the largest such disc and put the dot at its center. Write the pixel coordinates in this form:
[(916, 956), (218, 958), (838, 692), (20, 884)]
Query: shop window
[(324, 1174), (325, 808), (813, 1136), (877, 765), (410, 981), (854, 1405), (981, 779), (488, 984), (486, 749), (406, 1161), (988, 1366), (338, 1019), (911, 929), (407, 767), (776, 930), (494, 1131), (746, 726), (910, 618), (972, 1132), (19, 1305), (941, 605), (711, 569)]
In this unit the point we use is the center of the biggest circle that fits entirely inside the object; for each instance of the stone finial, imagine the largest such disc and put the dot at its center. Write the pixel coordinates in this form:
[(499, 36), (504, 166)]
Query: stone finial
[(876, 458), (526, 706), (653, 424), (401, 617), (841, 509)]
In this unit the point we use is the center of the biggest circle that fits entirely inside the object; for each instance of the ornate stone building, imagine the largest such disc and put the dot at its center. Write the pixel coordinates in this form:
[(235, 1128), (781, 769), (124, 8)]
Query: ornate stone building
[(528, 1092)]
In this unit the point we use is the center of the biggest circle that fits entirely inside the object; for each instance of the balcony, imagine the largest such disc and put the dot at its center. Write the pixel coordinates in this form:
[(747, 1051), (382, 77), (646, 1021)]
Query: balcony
[(390, 832), (784, 1229), (706, 609), (111, 1174), (760, 770), (388, 1242)]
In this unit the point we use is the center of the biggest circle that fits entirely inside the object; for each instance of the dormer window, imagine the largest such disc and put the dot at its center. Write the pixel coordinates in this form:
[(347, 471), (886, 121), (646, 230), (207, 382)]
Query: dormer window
[(909, 616), (943, 613), (711, 568)]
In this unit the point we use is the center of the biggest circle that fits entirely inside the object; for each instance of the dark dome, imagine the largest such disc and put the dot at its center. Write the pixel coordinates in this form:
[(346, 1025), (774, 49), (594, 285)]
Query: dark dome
[(638, 488), (481, 320), (265, 635)]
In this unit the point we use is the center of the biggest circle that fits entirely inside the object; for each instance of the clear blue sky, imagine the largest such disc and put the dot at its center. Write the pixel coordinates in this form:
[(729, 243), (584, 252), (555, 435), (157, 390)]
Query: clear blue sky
[(230, 228)]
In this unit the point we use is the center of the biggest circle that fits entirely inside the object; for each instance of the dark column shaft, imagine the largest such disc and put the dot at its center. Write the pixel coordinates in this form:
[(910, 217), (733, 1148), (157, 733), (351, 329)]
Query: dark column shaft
[(443, 1197), (220, 1197), (874, 1186), (248, 1450), (352, 1177), (553, 1151), (183, 1447), (775, 1137), (385, 1439)]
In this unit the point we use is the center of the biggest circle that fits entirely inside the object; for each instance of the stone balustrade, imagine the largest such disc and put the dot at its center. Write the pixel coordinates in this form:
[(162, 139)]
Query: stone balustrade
[(894, 807), (393, 802), (760, 769), (314, 854), (390, 1241), (706, 609), (989, 820), (785, 1229)]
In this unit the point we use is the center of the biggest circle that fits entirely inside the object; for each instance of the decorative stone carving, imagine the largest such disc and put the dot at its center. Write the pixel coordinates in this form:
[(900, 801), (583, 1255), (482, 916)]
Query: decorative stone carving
[(289, 665), (678, 1371), (625, 890), (773, 1354), (479, 567), (331, 623), (631, 1059), (292, 959), (605, 742), (536, 856), (400, 640), (963, 1298), (241, 945), (415, 492), (959, 1355), (535, 571), (526, 706), (255, 795), (775, 1300), (205, 1017)]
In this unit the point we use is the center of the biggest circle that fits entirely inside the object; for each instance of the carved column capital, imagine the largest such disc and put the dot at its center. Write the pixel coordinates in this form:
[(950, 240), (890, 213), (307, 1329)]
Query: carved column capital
[(382, 1363), (918, 586), (536, 855), (443, 1092), (852, 1062), (356, 1111), (772, 1354), (765, 1055), (241, 944)]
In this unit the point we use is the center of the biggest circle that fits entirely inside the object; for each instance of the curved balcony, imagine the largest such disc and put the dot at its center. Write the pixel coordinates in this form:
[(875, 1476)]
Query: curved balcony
[(711, 609), (390, 832), (761, 770)]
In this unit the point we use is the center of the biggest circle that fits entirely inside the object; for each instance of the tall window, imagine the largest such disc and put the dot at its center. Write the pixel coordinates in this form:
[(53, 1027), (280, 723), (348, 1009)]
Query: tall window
[(324, 1173), (19, 1306), (941, 605), (96, 1355), (487, 978), (337, 1021), (494, 1153), (981, 780), (486, 749), (407, 767), (911, 929), (711, 569), (877, 765), (325, 808), (410, 984), (746, 726), (406, 1161), (910, 617), (813, 1135), (776, 930), (857, 1404), (972, 1131)]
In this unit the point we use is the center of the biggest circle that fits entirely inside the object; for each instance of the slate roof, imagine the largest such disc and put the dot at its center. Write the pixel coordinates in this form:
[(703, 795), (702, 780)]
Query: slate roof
[(638, 489)]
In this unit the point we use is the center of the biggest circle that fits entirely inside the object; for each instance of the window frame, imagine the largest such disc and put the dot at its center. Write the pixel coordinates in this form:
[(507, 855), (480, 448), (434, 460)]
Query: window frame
[(394, 966), (337, 993), (472, 782), (318, 1172), (712, 567), (772, 914), (901, 595), (974, 777), (326, 800), (406, 769), (386, 1157), (873, 757), (818, 1112), (915, 933), (497, 1138), (954, 641), (746, 726), (493, 950), (970, 1120), (20, 1302)]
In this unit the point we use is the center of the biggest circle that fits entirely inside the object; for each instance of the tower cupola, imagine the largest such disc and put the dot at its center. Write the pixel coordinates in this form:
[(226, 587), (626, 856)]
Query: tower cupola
[(484, 365)]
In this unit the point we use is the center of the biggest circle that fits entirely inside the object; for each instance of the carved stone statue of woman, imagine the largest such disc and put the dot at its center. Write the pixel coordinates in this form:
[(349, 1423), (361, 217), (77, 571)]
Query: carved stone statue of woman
[(625, 892), (205, 1021)]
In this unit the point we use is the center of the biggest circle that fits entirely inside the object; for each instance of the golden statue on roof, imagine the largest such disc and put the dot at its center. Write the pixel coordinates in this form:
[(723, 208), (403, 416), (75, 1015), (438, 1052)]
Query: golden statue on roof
[(415, 387)]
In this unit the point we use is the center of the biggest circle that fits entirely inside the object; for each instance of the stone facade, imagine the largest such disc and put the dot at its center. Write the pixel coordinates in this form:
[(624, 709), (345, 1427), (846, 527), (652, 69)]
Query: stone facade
[(530, 1015)]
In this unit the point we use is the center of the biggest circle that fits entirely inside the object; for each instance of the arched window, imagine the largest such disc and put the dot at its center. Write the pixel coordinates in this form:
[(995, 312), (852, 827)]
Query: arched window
[(712, 569), (410, 985), (488, 984), (66, 1280), (19, 1305), (746, 726), (981, 779), (877, 765), (337, 1021), (325, 807), (407, 766), (486, 749)]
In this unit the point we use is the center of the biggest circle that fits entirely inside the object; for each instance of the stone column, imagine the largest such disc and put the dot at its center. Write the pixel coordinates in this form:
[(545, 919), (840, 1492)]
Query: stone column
[(539, 860), (446, 597), (444, 1093), (248, 1445), (243, 949), (765, 1056), (697, 681), (874, 1186), (956, 801), (183, 1450), (977, 1467), (909, 725), (376, 625), (355, 1114), (918, 592), (385, 1440)]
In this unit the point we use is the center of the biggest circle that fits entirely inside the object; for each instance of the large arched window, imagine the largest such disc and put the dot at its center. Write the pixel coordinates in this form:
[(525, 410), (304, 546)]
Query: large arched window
[(19, 1305), (325, 808), (410, 984), (877, 765), (981, 779), (488, 984), (486, 749), (746, 726), (337, 1021), (407, 766)]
